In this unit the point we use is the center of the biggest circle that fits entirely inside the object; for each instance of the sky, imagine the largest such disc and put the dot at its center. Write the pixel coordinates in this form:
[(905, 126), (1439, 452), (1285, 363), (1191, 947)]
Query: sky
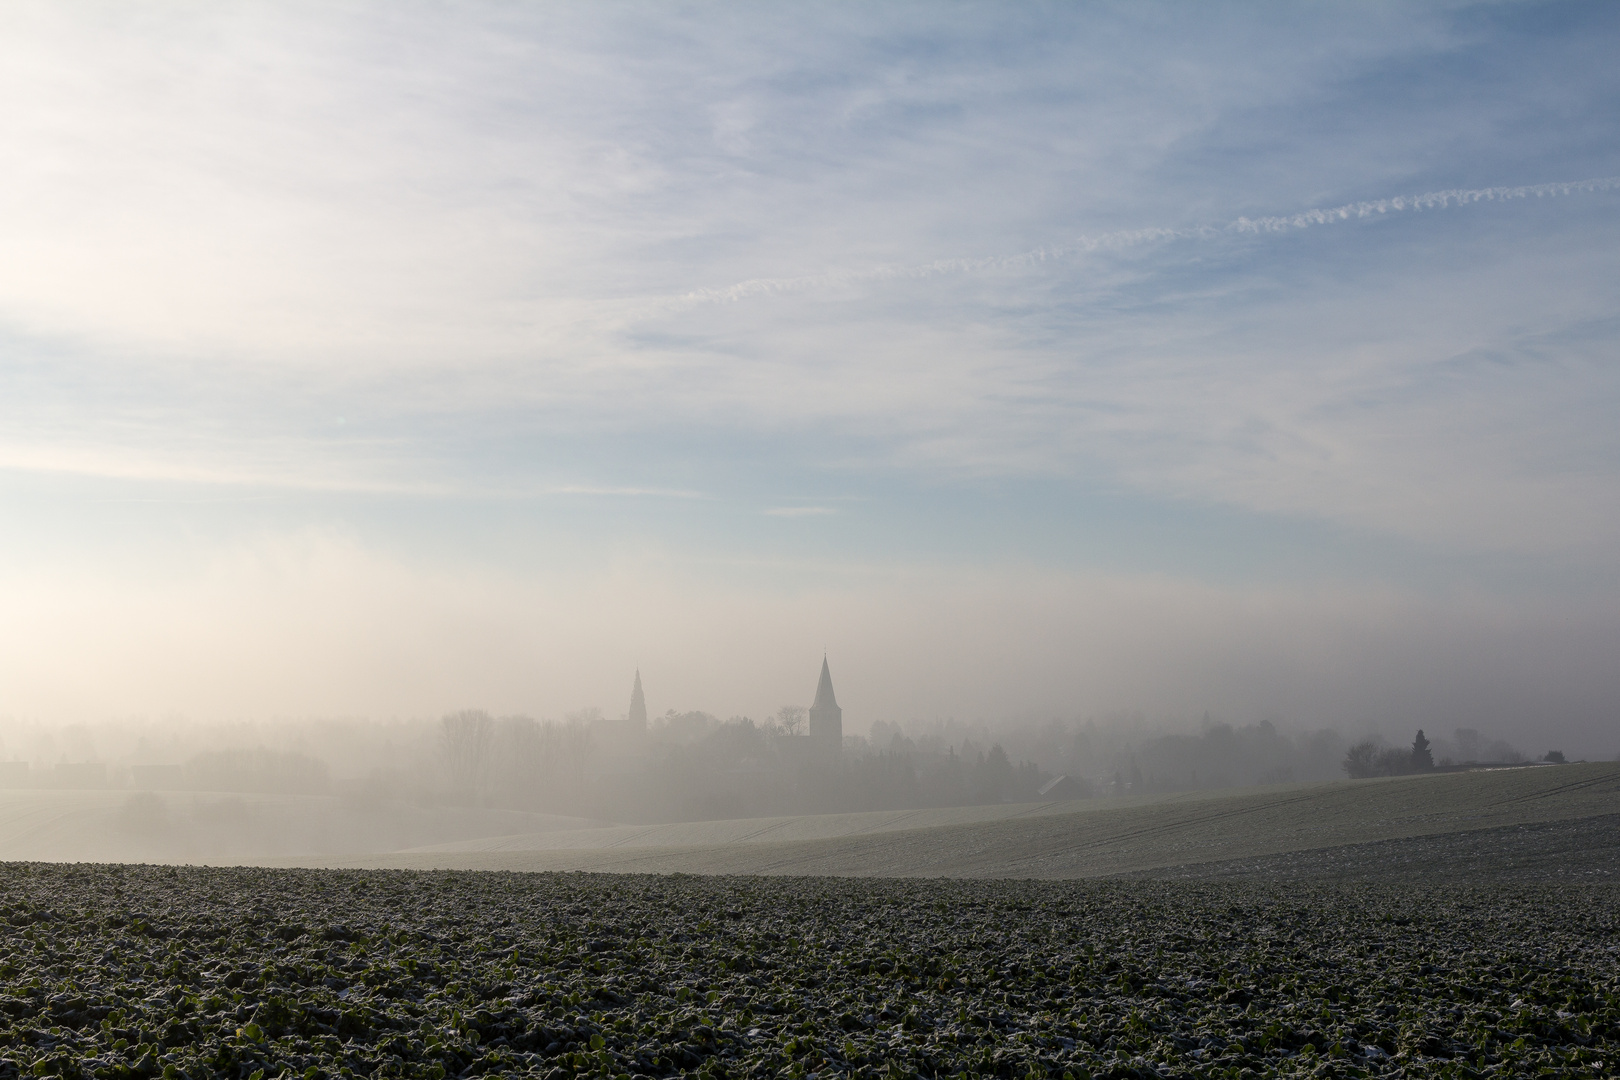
[(382, 359)]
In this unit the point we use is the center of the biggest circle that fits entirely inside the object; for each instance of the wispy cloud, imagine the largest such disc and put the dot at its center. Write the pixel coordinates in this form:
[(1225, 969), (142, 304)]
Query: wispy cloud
[(624, 492), (301, 467), (146, 465), (1130, 238)]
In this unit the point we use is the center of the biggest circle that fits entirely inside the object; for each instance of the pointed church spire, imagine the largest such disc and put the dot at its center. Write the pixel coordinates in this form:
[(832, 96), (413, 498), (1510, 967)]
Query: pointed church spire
[(637, 720), (824, 690), (826, 718)]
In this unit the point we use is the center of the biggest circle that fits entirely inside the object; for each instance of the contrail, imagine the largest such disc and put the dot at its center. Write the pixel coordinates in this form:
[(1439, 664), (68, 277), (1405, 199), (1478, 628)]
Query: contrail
[(1305, 219), (1433, 200)]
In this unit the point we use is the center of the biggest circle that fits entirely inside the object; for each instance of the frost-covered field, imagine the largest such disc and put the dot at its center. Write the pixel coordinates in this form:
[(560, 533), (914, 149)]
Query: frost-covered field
[(1081, 838), (218, 827), (116, 971), (1110, 837)]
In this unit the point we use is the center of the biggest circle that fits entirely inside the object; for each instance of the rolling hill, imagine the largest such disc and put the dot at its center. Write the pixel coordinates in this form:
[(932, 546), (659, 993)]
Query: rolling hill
[(1531, 822), (1507, 819)]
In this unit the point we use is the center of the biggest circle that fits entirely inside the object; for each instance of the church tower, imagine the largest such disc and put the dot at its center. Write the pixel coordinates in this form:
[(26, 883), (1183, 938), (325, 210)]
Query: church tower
[(636, 722), (826, 718)]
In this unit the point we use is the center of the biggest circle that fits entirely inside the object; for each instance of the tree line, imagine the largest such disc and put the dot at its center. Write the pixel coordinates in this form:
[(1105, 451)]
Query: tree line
[(1466, 747)]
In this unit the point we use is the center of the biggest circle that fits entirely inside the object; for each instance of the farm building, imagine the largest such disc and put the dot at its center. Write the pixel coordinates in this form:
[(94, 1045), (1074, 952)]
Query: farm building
[(1064, 787)]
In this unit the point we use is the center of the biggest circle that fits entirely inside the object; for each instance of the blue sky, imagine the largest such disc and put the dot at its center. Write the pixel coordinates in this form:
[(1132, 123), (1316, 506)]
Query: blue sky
[(384, 359)]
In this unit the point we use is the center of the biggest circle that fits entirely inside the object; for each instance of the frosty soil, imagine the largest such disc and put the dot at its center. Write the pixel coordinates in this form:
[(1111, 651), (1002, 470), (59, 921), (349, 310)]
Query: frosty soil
[(125, 971)]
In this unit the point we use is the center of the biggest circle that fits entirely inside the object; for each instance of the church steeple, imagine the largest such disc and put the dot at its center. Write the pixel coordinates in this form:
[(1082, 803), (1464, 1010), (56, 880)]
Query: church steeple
[(826, 718), (637, 720), (824, 690)]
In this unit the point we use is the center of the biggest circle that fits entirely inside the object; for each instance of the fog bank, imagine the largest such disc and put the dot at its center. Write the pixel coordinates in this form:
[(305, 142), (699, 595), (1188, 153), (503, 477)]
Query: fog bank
[(319, 625)]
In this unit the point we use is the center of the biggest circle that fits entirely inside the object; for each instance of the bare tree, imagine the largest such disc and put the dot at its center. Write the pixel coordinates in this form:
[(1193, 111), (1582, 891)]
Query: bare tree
[(790, 719), (522, 762), (586, 717), (466, 737), (577, 742), (1362, 760)]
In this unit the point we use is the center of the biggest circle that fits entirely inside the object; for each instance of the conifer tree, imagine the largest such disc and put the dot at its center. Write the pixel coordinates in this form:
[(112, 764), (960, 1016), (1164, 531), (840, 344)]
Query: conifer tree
[(1422, 758)]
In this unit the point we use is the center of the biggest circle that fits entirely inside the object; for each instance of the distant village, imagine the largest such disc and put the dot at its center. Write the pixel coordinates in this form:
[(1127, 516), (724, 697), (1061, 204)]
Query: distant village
[(694, 766)]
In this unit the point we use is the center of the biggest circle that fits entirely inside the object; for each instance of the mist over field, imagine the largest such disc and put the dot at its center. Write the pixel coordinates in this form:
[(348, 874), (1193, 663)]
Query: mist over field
[(179, 790), (1166, 400)]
